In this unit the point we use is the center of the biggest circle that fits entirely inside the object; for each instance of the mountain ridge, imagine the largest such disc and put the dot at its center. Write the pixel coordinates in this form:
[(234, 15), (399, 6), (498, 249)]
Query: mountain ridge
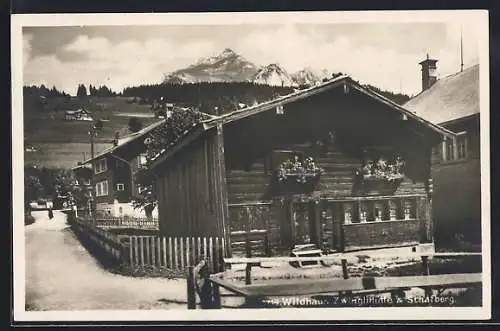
[(229, 66)]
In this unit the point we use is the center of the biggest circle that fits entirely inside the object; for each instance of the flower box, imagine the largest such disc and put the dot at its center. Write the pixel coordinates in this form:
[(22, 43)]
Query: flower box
[(381, 170), (299, 170), (389, 178)]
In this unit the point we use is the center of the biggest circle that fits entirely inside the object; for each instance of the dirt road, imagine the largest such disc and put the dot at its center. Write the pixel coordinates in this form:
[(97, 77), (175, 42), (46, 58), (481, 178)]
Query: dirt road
[(61, 275)]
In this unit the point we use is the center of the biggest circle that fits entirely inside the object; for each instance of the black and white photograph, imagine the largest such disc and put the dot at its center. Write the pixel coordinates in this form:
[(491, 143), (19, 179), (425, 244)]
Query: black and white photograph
[(251, 166)]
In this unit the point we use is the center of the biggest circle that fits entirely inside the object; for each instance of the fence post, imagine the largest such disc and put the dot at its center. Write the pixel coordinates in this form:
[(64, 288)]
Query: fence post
[(248, 247), (211, 254), (267, 246), (216, 296), (170, 259), (158, 251), (131, 251), (345, 273), (164, 242), (191, 293), (182, 252), (216, 256), (248, 274), (425, 271), (141, 249), (176, 266)]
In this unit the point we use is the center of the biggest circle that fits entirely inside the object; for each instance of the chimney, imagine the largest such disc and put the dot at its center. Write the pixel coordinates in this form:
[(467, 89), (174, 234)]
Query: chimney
[(429, 74)]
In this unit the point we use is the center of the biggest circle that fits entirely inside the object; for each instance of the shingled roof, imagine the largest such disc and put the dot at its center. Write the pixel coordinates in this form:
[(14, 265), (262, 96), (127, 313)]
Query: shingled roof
[(450, 98), (123, 142)]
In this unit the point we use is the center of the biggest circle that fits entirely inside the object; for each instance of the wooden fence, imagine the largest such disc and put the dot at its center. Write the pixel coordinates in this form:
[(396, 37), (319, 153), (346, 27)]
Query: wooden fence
[(103, 244), (111, 222), (154, 251), (175, 252)]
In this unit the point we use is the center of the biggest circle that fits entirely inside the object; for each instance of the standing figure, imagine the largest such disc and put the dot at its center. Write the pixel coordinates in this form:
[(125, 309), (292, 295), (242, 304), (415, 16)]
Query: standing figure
[(51, 214)]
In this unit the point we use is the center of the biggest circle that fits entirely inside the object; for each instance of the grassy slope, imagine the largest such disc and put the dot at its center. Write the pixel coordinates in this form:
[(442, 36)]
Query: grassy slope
[(61, 143)]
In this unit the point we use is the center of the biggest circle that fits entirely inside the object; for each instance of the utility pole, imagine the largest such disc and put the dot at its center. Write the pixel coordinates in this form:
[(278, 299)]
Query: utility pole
[(95, 127), (461, 51)]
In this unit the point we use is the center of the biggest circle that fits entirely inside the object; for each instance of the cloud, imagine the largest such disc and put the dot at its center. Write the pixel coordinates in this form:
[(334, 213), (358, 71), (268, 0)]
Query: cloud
[(27, 38), (359, 51), (379, 64), (118, 65)]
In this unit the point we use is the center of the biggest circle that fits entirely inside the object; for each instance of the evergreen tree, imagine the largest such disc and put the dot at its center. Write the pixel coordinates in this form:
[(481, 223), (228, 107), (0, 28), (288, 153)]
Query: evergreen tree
[(81, 91)]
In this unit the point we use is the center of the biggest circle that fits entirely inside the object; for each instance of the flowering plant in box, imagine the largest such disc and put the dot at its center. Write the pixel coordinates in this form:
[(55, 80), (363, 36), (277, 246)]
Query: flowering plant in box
[(382, 169), (300, 169)]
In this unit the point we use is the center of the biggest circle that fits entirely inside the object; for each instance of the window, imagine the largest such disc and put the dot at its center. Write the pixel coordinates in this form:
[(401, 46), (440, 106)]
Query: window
[(141, 159), (462, 145), (458, 146), (82, 181), (120, 187), (101, 188), (101, 165), (449, 150)]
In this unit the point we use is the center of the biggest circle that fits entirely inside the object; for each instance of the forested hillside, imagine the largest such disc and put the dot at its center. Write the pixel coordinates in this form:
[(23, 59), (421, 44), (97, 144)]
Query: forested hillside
[(207, 96)]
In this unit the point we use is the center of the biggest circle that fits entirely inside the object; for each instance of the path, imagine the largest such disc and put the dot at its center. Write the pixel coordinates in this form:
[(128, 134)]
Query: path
[(62, 275)]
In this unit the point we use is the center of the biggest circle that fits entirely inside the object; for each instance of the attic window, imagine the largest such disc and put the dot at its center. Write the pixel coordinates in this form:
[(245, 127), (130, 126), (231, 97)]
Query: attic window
[(101, 165), (279, 110), (141, 159)]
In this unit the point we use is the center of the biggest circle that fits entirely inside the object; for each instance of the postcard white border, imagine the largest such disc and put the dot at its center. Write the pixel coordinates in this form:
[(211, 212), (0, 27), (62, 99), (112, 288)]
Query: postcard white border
[(480, 17)]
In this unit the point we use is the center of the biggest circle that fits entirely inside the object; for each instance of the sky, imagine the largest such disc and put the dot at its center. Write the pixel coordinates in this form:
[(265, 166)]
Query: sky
[(382, 54)]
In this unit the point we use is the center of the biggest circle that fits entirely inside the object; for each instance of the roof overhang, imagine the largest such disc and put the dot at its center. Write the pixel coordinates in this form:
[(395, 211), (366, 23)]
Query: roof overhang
[(126, 140), (459, 119), (437, 128)]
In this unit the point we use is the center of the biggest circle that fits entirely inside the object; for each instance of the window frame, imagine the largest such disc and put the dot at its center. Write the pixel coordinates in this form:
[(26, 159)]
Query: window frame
[(99, 188), (462, 137), (101, 165), (141, 157), (120, 185), (449, 148)]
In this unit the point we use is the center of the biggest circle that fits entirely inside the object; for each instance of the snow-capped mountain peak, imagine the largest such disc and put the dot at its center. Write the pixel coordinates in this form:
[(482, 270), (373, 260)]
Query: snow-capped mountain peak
[(274, 75), (226, 53), (224, 67), (306, 76)]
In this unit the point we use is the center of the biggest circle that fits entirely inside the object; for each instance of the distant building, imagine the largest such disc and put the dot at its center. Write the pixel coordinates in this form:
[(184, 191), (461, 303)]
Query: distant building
[(453, 103), (112, 173), (77, 115)]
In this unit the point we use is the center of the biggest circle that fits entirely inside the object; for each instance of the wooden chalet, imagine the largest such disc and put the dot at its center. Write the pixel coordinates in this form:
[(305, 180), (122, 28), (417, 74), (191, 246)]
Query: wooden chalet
[(336, 164)]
